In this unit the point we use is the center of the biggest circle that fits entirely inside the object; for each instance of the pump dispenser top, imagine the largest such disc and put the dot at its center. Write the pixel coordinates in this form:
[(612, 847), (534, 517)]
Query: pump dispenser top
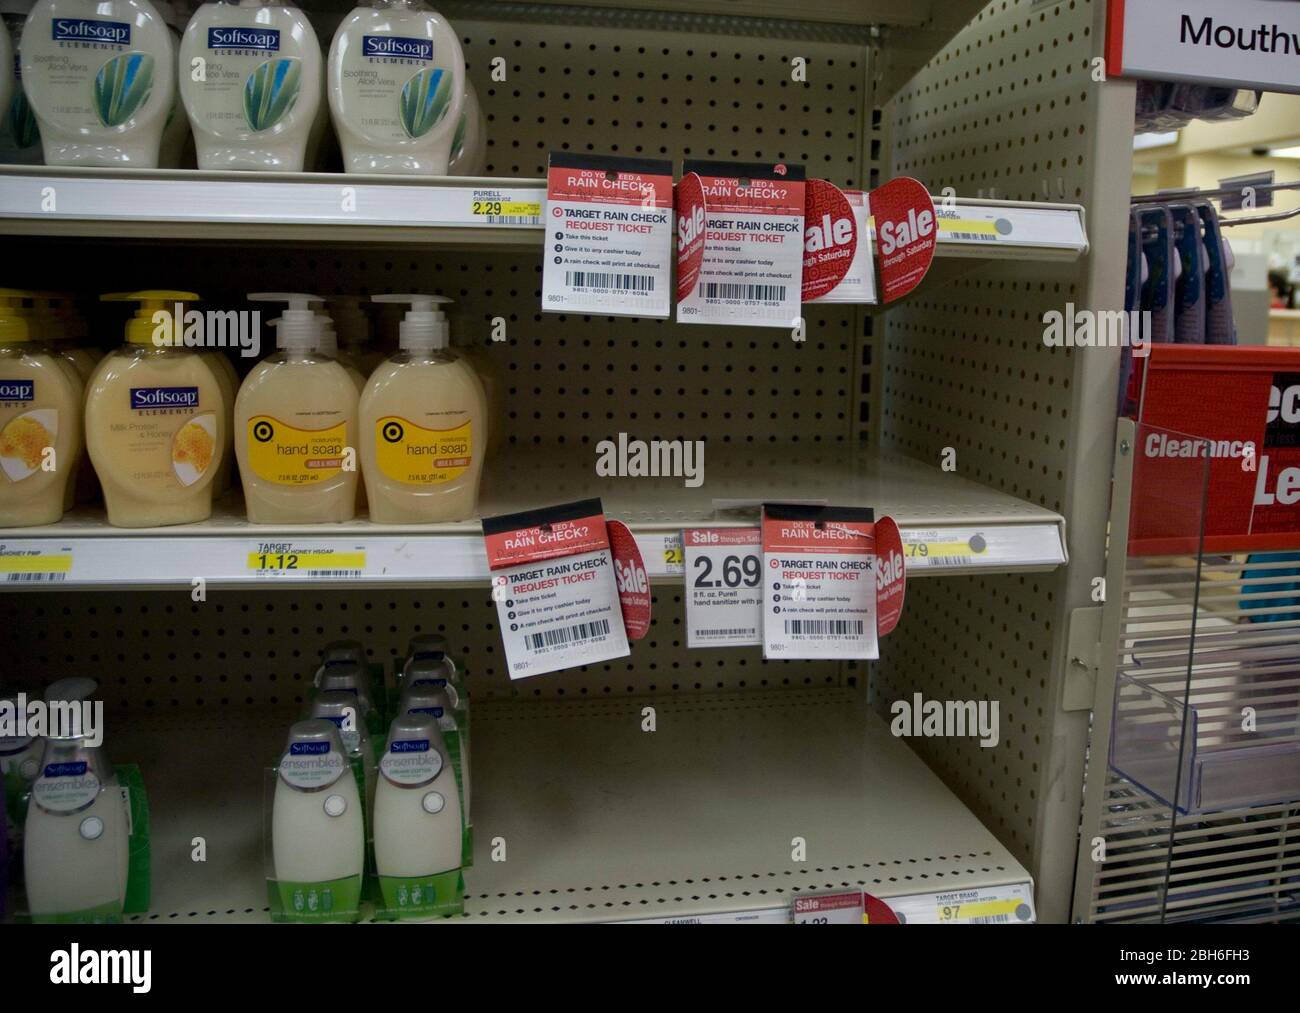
[(298, 327), (141, 327), (424, 328)]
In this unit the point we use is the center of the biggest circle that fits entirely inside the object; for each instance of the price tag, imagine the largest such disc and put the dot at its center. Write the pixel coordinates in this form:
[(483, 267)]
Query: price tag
[(34, 565), (286, 559), (500, 207), (968, 224), (751, 269), (859, 282), (724, 593), (554, 585), (1004, 905), (819, 582), (609, 226), (848, 908), (673, 555)]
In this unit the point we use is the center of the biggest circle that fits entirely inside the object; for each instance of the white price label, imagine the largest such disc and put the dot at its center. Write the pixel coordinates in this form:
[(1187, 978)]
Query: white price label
[(608, 228), (23, 565), (724, 593), (960, 548), (296, 560), (819, 583), (555, 588)]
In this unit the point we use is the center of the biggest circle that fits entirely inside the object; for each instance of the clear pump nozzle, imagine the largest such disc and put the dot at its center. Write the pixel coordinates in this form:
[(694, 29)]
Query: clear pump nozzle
[(424, 328), (299, 327)]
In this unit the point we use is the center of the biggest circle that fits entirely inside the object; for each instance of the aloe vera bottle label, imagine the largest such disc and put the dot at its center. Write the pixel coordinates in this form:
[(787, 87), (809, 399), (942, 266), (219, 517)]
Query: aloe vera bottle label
[(92, 72), (393, 89), (248, 82)]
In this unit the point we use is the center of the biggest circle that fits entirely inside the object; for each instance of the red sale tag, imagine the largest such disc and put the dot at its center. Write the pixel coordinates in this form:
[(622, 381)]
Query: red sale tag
[(905, 235), (633, 581), (878, 912), (891, 578), (690, 233), (830, 238)]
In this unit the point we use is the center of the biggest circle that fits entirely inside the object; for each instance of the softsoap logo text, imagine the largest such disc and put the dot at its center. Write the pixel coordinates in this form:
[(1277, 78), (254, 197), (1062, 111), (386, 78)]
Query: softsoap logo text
[(1079, 328), (396, 46), (264, 40), (115, 33), (76, 966), (631, 458), (946, 719), (23, 719), (182, 328)]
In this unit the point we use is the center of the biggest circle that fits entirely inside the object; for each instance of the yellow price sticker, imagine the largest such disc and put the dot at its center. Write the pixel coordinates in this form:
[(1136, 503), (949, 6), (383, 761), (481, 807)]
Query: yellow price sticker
[(977, 909), (35, 564), (925, 550), (507, 208), (289, 562), (969, 227), (674, 556)]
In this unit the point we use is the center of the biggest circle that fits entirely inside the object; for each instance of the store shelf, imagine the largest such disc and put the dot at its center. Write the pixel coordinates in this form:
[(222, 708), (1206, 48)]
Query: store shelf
[(332, 207), (603, 822), (963, 526)]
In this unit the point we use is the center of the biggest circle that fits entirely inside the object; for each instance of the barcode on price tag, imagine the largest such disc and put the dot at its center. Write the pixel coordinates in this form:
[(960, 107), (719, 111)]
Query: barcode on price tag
[(724, 576), (34, 566)]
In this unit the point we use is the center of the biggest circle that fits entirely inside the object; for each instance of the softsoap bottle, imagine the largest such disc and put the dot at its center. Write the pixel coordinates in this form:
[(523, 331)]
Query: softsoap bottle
[(76, 841), (100, 76), (251, 82), (318, 843), (156, 421), (296, 426), (423, 425), (20, 140), (40, 422), (175, 143), (396, 88), (417, 818)]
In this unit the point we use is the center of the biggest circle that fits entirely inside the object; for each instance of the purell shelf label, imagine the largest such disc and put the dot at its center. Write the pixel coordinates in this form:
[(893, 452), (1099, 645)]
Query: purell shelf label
[(749, 270), (164, 397), (819, 582), (554, 584), (17, 390), (724, 593), (608, 246), (116, 33), (396, 46), (266, 40)]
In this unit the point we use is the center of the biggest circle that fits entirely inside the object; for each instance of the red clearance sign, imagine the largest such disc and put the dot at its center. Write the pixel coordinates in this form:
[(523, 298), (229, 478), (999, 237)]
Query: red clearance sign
[(1228, 416)]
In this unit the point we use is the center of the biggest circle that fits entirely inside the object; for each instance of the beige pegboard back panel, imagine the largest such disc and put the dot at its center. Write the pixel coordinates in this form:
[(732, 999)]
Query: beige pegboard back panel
[(159, 650), (1010, 109)]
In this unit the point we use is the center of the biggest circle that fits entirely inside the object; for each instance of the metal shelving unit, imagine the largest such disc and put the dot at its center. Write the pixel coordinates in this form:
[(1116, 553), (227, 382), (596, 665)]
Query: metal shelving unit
[(701, 813)]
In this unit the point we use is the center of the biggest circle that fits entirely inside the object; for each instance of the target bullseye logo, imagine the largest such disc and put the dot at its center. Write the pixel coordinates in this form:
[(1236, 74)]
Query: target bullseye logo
[(393, 432), (263, 431)]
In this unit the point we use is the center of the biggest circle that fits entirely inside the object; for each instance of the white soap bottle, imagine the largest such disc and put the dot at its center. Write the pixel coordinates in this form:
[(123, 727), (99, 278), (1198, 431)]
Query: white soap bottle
[(101, 77), (295, 423), (20, 139), (351, 678), (340, 709), (423, 425), (76, 841), (317, 827), (396, 82), (259, 88), (469, 144), (417, 808)]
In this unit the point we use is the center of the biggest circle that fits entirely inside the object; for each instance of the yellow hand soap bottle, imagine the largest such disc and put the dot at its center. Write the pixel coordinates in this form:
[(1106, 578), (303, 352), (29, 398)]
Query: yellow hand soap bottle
[(155, 421), (296, 426), (40, 423), (423, 425)]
